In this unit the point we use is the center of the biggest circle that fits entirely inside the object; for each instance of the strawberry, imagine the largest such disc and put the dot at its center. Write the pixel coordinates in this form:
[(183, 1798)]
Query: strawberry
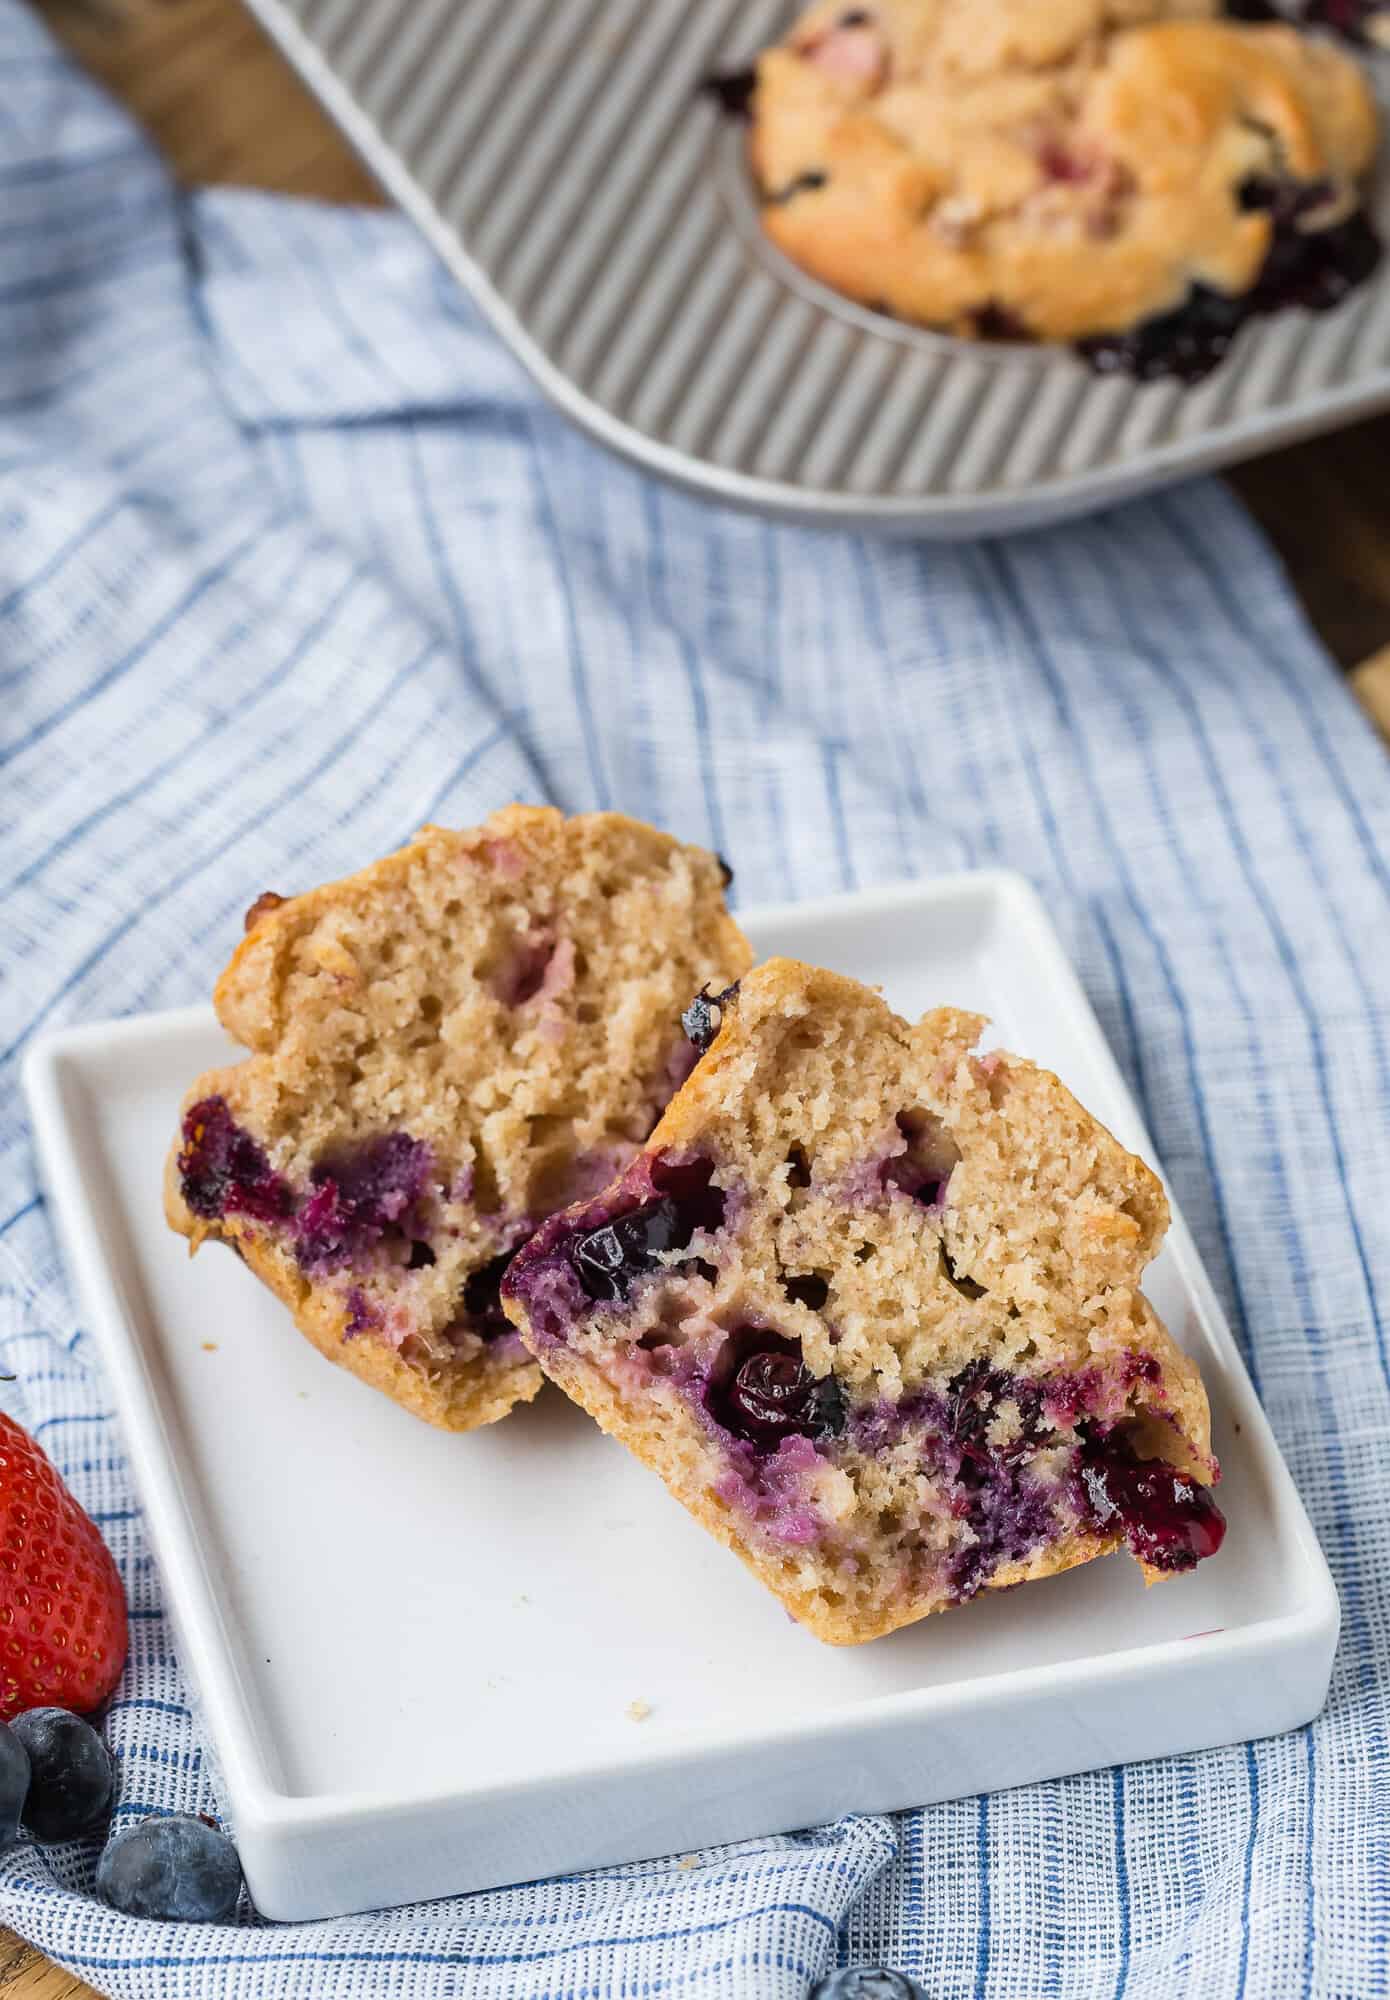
[(62, 1610)]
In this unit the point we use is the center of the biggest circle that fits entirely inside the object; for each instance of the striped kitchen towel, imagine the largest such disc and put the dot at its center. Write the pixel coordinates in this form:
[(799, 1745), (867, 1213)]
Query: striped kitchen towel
[(293, 558)]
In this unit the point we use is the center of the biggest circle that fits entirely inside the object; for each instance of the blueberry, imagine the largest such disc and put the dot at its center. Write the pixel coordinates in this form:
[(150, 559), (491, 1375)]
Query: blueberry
[(222, 1169), (482, 1298), (14, 1782), (360, 1197), (607, 1259), (179, 1869), (995, 322), (72, 1776), (1168, 1520), (866, 1982), (762, 1391), (1314, 269), (704, 1016), (732, 90), (1187, 342)]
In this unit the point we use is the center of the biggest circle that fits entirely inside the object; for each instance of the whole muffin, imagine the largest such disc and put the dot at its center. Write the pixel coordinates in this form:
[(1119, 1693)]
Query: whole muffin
[(1066, 170)]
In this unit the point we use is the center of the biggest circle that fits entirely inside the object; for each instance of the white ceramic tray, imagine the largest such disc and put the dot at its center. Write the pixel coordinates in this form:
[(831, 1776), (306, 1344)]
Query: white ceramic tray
[(563, 164), (414, 1653)]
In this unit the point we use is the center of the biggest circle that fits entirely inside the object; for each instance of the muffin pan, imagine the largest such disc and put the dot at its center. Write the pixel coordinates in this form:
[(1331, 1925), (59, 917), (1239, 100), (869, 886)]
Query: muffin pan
[(331, 1564), (568, 169)]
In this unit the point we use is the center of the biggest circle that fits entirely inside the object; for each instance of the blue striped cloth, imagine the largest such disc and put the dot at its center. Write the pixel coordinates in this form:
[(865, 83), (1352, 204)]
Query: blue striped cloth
[(291, 559)]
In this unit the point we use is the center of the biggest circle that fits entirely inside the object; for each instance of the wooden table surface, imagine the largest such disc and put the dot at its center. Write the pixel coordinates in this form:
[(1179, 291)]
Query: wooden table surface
[(224, 107)]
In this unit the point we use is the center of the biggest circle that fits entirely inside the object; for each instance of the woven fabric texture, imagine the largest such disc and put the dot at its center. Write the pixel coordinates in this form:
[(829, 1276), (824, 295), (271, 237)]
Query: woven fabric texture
[(293, 558)]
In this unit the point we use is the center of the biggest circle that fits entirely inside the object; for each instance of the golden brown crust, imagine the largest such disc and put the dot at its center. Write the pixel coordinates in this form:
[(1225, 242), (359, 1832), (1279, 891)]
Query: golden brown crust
[(509, 997), (1070, 168)]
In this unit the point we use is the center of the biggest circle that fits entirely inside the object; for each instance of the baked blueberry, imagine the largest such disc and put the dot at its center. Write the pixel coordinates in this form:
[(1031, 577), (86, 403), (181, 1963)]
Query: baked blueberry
[(608, 1258), (1313, 268), (702, 1017), (762, 1392), (1168, 1519), (482, 1298), (732, 90), (223, 1171)]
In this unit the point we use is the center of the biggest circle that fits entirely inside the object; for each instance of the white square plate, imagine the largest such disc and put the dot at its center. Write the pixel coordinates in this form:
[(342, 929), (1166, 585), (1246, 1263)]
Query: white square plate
[(414, 1653)]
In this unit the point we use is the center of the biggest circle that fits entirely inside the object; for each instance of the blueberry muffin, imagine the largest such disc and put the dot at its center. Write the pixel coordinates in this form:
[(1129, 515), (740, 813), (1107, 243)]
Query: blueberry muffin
[(1126, 174), (869, 1303), (445, 1048)]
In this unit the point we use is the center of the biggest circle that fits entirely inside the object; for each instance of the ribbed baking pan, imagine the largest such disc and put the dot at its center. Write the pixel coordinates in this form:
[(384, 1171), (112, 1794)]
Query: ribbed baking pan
[(562, 159)]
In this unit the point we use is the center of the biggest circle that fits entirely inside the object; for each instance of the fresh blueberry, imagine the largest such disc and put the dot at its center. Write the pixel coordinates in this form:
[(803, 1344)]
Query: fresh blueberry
[(762, 1391), (14, 1782), (180, 1869), (72, 1780), (866, 1982)]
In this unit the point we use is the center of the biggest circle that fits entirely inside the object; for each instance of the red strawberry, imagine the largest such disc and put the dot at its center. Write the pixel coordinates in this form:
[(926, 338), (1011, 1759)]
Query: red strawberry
[(62, 1610)]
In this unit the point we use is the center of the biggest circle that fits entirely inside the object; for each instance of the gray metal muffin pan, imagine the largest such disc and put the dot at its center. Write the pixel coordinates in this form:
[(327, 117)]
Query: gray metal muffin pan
[(559, 156)]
